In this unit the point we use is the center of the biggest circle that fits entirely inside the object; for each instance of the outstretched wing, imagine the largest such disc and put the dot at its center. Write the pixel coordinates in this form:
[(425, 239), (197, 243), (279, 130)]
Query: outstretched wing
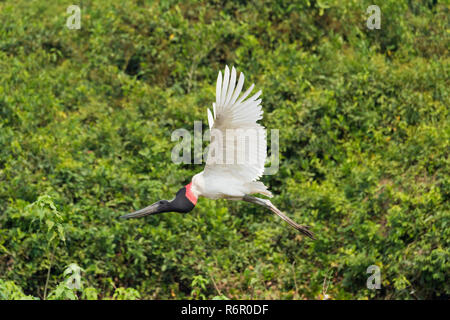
[(238, 143)]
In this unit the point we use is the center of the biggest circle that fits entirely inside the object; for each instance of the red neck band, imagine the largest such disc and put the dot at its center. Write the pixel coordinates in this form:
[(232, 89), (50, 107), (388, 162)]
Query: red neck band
[(190, 195)]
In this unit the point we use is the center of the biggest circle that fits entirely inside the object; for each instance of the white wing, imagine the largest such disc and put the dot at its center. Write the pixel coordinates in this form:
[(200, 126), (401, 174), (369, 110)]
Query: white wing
[(238, 144)]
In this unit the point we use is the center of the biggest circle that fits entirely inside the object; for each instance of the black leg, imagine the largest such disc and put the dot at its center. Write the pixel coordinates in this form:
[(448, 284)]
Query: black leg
[(267, 204)]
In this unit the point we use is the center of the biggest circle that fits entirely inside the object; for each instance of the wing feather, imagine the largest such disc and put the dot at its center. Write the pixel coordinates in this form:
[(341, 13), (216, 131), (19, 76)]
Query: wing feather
[(238, 89), (231, 86), (226, 78), (210, 119), (246, 145)]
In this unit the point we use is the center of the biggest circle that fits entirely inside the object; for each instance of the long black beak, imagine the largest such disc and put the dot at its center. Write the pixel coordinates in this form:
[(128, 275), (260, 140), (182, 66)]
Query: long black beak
[(154, 208)]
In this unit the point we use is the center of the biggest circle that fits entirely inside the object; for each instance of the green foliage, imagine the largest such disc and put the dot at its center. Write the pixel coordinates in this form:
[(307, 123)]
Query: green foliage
[(62, 292), (198, 286), (45, 209), (126, 294), (10, 291), (86, 118)]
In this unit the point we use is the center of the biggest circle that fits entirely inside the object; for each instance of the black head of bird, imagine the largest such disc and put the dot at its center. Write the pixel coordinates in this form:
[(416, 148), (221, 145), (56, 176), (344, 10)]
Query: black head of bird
[(183, 202)]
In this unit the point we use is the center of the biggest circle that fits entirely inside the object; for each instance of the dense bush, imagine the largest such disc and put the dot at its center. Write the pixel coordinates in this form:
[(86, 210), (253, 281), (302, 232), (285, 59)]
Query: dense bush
[(86, 118)]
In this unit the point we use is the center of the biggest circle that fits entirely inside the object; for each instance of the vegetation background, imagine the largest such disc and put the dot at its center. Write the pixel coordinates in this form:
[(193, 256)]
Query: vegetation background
[(86, 118)]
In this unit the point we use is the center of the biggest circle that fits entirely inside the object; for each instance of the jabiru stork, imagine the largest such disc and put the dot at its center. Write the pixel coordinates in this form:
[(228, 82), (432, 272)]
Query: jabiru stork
[(235, 180)]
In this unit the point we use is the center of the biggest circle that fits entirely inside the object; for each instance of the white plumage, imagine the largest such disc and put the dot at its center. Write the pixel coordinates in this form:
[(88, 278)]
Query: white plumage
[(236, 156), (237, 149)]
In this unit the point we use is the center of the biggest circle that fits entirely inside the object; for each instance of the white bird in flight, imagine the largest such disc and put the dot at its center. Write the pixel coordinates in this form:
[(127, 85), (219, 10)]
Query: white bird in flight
[(232, 166)]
